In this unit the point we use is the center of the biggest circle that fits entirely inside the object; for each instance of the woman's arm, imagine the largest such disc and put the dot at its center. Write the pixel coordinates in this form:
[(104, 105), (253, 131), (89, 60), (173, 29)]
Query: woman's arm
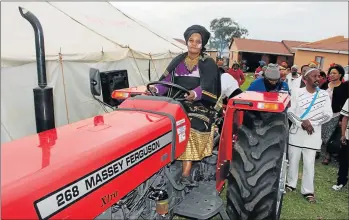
[(198, 93), (160, 89)]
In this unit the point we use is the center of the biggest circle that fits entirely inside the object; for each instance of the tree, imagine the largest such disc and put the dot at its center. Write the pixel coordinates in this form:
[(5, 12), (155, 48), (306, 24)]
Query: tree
[(224, 29)]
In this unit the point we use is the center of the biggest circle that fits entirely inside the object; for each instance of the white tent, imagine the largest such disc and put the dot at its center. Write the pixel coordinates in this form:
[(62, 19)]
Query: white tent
[(78, 36)]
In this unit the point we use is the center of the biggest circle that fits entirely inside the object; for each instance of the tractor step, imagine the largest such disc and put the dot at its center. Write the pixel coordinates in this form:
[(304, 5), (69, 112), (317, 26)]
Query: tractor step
[(202, 202)]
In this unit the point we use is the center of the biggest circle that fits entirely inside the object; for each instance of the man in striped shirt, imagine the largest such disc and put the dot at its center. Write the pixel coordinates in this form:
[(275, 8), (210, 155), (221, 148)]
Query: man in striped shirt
[(310, 108)]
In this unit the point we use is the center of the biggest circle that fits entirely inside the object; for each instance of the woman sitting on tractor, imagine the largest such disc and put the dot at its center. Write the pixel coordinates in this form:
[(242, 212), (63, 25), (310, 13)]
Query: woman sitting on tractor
[(199, 74)]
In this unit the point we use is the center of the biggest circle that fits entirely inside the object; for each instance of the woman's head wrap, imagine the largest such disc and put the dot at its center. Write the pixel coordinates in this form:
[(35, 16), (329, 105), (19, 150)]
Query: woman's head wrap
[(313, 64), (205, 35)]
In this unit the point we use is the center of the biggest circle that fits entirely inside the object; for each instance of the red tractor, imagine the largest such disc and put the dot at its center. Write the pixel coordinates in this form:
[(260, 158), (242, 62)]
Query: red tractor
[(122, 164)]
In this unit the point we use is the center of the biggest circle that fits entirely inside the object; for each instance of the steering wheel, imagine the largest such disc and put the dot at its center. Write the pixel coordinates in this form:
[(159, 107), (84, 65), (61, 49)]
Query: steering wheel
[(169, 85)]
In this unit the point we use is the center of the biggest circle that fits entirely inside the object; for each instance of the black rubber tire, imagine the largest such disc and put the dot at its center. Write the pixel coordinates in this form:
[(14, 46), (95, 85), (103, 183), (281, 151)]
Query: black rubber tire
[(258, 155)]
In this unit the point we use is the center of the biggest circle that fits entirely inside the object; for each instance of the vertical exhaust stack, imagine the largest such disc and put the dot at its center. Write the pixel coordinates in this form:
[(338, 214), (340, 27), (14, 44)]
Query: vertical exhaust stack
[(43, 95)]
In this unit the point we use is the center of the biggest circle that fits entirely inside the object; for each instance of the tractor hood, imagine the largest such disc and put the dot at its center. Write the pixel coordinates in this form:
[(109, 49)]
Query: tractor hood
[(92, 155)]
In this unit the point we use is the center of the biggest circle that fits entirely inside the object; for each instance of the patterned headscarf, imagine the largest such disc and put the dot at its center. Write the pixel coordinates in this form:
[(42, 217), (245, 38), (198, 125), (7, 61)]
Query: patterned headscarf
[(313, 64)]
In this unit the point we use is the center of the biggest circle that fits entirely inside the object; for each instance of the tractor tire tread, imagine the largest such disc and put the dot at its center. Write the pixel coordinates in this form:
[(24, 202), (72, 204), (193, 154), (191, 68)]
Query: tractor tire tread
[(255, 169)]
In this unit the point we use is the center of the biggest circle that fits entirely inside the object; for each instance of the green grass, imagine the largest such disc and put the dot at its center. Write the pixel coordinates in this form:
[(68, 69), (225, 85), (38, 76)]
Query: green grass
[(330, 204), (249, 77)]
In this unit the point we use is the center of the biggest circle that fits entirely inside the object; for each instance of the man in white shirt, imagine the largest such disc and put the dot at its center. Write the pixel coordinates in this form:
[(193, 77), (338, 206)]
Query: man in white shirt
[(290, 78), (299, 82), (310, 109), (229, 86), (229, 89)]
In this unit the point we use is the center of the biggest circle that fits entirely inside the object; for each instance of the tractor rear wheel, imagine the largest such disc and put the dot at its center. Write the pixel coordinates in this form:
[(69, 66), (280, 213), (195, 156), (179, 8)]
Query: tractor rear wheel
[(258, 171)]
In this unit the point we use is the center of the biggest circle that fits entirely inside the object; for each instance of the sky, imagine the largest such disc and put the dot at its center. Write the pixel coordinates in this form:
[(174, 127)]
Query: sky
[(275, 21)]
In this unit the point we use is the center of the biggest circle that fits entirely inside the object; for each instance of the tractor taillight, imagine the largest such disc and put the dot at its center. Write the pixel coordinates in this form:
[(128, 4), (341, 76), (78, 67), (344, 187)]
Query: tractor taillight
[(267, 106), (122, 95)]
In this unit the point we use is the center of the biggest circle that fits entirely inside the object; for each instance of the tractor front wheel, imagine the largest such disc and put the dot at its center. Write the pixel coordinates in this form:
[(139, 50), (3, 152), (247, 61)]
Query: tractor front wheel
[(258, 170)]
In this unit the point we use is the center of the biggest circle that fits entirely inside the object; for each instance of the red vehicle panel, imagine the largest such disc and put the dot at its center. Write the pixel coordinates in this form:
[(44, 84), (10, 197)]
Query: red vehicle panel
[(92, 163), (259, 101), (250, 101)]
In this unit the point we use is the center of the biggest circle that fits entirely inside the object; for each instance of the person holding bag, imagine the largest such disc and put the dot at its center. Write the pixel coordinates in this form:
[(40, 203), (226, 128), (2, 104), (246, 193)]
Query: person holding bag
[(310, 109)]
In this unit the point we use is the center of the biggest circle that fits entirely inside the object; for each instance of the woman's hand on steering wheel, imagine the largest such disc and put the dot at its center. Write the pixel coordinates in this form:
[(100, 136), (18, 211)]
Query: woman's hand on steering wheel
[(191, 96), (176, 97), (152, 88)]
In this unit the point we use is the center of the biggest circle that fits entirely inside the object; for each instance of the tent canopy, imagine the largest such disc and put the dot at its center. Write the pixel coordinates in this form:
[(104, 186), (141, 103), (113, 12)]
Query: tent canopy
[(79, 31), (78, 36)]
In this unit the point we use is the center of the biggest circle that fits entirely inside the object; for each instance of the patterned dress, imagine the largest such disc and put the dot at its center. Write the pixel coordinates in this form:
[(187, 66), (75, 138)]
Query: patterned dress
[(201, 116)]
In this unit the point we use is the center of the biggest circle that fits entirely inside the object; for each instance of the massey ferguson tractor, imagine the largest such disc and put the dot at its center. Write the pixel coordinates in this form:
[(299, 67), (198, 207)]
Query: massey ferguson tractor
[(122, 164)]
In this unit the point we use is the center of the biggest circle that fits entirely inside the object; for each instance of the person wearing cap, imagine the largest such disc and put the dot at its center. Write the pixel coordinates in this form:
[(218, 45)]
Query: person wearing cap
[(300, 81), (237, 73), (198, 73), (292, 76), (270, 82), (310, 109)]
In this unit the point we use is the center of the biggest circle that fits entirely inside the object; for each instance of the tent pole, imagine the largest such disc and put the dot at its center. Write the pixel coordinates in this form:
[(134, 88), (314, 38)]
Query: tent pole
[(149, 70)]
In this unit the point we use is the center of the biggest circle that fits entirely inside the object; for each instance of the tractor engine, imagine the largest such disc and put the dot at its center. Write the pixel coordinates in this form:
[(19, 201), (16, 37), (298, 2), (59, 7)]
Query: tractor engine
[(156, 197), (153, 199)]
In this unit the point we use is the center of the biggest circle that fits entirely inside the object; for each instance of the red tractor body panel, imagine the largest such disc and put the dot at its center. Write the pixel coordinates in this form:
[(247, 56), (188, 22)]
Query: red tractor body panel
[(260, 101), (233, 118), (91, 163)]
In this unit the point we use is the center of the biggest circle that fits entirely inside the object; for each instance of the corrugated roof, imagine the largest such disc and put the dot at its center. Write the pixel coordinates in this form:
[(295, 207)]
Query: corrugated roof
[(334, 43), (291, 44), (261, 46)]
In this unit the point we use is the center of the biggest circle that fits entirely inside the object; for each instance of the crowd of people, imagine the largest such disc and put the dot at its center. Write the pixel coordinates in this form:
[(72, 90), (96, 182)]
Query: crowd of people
[(319, 107)]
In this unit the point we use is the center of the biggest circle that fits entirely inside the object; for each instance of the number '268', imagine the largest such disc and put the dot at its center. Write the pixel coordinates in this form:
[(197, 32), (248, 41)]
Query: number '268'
[(67, 195)]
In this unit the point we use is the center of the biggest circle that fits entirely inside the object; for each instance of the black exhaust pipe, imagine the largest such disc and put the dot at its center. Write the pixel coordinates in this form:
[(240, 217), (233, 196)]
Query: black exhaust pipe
[(43, 95)]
